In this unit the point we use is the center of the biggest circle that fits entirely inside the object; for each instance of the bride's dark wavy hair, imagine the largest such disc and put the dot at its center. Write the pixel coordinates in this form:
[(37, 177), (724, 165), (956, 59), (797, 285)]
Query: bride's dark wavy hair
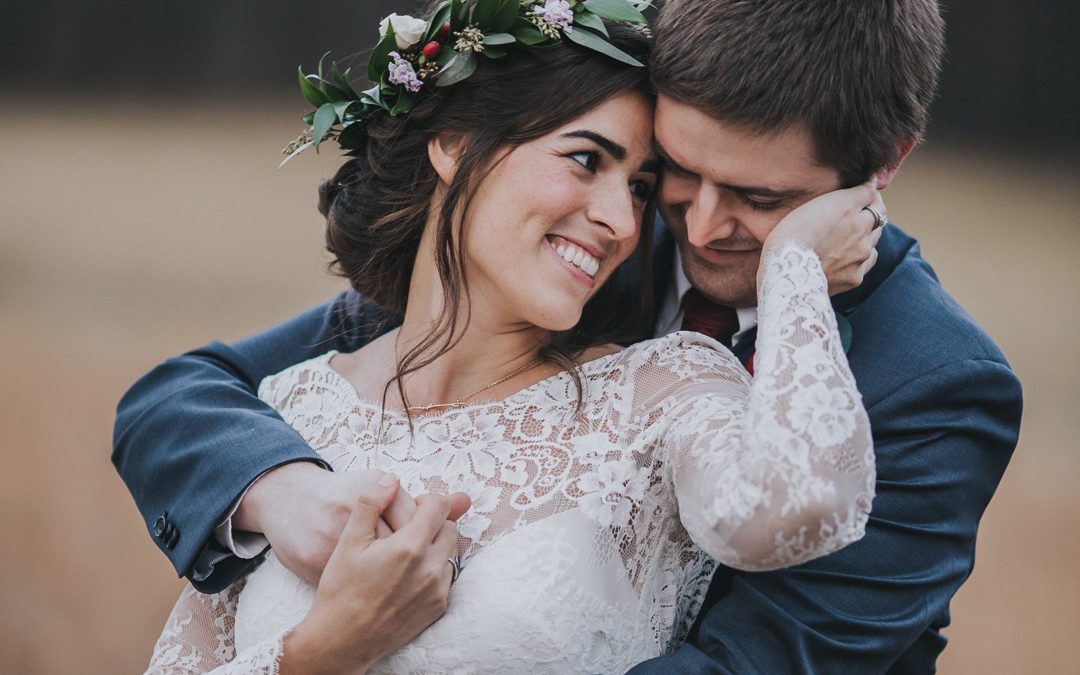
[(377, 204)]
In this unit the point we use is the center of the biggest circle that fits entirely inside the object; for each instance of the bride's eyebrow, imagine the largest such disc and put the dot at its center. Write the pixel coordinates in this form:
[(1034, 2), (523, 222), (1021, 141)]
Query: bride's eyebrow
[(614, 149)]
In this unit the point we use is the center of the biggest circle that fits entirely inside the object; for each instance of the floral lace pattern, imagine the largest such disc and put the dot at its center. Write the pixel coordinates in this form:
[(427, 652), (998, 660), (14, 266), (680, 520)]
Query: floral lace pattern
[(593, 532)]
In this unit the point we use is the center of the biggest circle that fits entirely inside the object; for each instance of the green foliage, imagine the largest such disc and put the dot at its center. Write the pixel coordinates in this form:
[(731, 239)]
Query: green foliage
[(587, 38), (460, 67), (615, 10), (589, 20), (495, 27)]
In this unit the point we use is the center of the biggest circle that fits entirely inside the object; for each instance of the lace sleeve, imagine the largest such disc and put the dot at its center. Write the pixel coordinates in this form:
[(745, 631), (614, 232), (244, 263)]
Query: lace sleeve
[(198, 638), (775, 472)]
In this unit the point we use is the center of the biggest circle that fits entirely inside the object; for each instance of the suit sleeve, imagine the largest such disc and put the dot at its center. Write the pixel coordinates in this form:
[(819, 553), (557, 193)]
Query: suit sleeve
[(942, 442), (192, 433)]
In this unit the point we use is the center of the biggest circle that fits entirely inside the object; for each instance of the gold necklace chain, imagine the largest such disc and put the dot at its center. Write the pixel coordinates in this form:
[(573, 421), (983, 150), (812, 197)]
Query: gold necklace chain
[(462, 402)]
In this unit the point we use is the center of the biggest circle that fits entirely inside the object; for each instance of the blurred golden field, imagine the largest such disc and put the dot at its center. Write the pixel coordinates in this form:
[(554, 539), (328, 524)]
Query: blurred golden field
[(130, 234)]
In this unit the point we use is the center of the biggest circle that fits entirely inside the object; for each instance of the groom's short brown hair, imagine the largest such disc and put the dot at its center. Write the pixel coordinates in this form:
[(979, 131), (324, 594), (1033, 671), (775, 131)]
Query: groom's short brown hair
[(859, 75)]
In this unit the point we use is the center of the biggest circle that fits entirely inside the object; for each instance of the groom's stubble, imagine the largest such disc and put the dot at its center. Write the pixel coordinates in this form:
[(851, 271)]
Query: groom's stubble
[(725, 189)]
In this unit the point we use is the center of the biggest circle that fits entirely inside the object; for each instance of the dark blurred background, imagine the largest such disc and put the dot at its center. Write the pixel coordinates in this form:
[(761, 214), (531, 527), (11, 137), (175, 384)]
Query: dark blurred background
[(1012, 75), (142, 214)]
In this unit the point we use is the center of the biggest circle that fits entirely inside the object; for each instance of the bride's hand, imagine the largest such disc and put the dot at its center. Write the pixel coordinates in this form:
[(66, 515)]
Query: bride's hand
[(302, 509), (839, 229), (376, 594)]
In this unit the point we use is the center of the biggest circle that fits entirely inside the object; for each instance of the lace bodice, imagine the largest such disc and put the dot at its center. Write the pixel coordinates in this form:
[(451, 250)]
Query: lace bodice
[(593, 531)]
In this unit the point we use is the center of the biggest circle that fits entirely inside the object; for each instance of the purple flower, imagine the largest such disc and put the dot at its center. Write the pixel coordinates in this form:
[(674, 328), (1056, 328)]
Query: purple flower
[(557, 13), (402, 73)]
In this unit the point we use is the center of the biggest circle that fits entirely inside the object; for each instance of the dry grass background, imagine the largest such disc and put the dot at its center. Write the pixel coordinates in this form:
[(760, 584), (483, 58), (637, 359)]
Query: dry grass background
[(128, 236)]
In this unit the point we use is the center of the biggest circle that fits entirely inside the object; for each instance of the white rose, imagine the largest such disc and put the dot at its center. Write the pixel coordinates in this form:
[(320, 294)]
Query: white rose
[(407, 29)]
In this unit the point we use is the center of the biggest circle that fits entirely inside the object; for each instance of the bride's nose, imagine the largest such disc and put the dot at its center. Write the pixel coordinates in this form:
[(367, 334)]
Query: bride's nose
[(613, 209)]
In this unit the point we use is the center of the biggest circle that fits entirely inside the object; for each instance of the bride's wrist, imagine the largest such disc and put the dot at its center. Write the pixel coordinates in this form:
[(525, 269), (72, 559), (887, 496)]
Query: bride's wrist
[(307, 650), (312, 648)]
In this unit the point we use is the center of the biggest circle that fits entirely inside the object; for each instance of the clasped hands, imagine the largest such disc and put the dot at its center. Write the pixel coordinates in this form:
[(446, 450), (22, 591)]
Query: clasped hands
[(378, 556)]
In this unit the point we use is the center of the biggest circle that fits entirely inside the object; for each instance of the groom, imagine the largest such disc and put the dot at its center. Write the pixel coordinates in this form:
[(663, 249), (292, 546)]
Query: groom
[(762, 106)]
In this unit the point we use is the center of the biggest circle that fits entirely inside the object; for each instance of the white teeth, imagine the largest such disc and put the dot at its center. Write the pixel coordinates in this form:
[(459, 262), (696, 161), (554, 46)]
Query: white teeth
[(578, 258)]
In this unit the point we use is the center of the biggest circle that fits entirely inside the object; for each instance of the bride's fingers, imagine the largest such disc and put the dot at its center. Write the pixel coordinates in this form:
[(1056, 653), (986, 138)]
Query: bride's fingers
[(427, 521), (401, 510), (459, 504), (363, 524), (445, 547), (382, 530), (446, 541)]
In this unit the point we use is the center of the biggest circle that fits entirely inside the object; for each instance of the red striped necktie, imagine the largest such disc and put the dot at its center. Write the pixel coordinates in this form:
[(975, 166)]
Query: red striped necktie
[(709, 318)]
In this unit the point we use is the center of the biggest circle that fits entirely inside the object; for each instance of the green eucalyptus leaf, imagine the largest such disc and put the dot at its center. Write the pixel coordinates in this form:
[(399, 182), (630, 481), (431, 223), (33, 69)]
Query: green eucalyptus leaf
[(495, 53), (504, 16), (587, 38), (342, 81), (528, 34), (309, 118), (352, 136), (615, 10), (404, 103), (435, 23), (484, 12), (342, 107), (325, 117), (380, 56), (310, 91), (499, 39), (333, 93), (460, 67), (459, 12), (372, 96), (590, 20), (445, 56)]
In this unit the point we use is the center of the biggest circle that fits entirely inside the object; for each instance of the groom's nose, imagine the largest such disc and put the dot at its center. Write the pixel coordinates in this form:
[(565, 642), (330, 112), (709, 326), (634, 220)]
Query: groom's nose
[(707, 219)]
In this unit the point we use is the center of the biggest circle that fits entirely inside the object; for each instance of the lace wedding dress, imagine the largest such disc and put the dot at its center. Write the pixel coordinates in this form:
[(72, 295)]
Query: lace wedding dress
[(593, 531)]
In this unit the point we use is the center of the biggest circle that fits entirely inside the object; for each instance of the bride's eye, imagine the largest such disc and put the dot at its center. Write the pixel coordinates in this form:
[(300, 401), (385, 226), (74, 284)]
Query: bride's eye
[(589, 160)]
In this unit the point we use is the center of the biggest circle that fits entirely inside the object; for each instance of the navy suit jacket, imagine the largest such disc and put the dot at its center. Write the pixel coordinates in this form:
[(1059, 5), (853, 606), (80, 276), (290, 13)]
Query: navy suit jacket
[(943, 404)]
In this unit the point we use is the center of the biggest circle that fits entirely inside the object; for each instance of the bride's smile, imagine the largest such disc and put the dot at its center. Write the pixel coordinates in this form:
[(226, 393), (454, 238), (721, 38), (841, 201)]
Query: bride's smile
[(555, 216)]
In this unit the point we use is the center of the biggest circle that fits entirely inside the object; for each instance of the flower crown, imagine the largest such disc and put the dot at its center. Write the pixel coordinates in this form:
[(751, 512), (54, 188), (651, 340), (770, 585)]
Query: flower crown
[(414, 55)]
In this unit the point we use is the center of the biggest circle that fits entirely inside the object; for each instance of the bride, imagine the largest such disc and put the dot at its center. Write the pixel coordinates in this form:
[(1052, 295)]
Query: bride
[(490, 203)]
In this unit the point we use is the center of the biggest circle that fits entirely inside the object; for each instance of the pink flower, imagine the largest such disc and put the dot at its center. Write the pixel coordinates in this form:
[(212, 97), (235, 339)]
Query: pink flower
[(557, 13), (402, 73)]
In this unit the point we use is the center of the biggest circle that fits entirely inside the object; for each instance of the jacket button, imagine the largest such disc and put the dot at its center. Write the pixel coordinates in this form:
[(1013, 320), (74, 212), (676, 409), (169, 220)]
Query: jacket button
[(173, 537), (161, 525)]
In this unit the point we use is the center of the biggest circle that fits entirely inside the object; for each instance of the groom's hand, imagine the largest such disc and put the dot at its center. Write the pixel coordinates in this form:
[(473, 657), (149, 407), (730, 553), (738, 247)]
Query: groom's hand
[(302, 509), (376, 594)]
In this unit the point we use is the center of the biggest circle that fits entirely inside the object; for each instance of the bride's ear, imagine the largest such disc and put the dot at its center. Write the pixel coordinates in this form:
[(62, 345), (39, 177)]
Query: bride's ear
[(444, 152)]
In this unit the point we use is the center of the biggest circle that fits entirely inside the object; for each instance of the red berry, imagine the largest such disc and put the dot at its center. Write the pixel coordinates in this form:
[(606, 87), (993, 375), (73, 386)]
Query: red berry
[(432, 49), (444, 32)]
